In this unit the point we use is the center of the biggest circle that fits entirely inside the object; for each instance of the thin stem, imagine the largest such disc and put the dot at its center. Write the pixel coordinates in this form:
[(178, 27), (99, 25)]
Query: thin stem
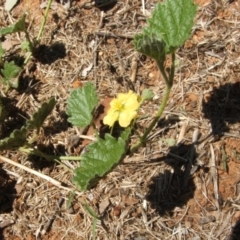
[(40, 32), (160, 65), (57, 159), (44, 20), (169, 82), (29, 40), (153, 123), (172, 71)]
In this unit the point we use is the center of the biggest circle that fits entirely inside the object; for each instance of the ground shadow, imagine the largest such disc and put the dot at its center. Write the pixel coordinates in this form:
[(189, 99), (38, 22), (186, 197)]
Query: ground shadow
[(7, 192), (15, 118), (7, 195), (58, 126), (104, 5), (40, 163), (222, 107), (235, 234), (174, 187), (49, 54)]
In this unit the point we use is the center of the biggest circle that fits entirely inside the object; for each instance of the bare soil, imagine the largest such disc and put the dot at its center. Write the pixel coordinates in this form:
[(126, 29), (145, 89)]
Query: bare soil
[(190, 190)]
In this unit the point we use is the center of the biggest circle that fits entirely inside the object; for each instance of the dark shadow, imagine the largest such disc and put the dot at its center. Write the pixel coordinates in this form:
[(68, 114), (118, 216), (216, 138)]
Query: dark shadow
[(58, 126), (235, 234), (174, 187), (28, 84), (16, 58), (49, 54), (40, 163), (105, 5), (15, 117), (7, 192), (222, 107)]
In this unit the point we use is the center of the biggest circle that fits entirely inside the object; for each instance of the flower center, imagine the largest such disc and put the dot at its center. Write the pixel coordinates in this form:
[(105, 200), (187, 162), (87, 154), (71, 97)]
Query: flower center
[(119, 106)]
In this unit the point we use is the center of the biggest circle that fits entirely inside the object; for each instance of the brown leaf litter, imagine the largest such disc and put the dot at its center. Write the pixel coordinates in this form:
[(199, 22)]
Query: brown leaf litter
[(187, 191)]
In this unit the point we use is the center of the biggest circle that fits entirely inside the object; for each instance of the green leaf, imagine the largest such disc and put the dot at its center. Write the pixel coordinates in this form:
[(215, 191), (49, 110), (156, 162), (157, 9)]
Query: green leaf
[(16, 139), (70, 199), (10, 72), (169, 141), (16, 27), (81, 104), (147, 94), (150, 45), (91, 211), (99, 159), (26, 46), (39, 117), (171, 22)]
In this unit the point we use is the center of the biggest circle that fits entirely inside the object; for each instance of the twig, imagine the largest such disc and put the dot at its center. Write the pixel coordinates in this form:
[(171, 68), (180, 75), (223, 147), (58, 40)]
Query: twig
[(52, 218), (133, 69), (143, 7), (95, 52), (109, 34), (214, 176), (190, 162), (47, 178), (6, 223)]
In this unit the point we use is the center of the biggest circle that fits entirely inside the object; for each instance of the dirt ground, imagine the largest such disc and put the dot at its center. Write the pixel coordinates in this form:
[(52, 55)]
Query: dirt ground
[(188, 190)]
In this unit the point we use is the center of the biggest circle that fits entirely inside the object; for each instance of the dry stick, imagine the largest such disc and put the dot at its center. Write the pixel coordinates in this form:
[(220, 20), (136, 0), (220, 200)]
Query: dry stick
[(95, 52), (52, 218), (133, 69), (109, 34), (190, 161), (214, 176), (143, 7), (6, 223), (47, 178)]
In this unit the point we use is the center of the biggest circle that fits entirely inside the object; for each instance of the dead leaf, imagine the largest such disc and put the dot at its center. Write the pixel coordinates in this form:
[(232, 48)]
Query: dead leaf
[(9, 4), (103, 205)]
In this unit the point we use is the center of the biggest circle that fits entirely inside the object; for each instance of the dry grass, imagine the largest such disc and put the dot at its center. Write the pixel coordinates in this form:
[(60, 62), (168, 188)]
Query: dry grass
[(162, 191)]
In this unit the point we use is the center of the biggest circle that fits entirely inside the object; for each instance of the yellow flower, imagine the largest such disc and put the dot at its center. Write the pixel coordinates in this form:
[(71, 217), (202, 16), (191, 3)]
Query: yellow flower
[(122, 109)]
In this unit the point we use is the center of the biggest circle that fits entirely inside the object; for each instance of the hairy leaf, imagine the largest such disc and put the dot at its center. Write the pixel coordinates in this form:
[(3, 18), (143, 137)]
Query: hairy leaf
[(39, 117), (147, 94), (16, 27), (150, 45), (10, 72), (171, 22), (26, 46), (99, 159), (16, 139), (81, 104)]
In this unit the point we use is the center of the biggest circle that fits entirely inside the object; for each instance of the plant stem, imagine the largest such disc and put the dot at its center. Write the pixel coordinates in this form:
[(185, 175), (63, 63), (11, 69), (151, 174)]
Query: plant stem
[(153, 123), (160, 65), (39, 33), (169, 82), (172, 70), (57, 159), (44, 20)]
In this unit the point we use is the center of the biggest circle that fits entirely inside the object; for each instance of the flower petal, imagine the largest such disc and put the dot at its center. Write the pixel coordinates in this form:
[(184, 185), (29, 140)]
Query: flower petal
[(111, 117), (132, 102), (125, 118)]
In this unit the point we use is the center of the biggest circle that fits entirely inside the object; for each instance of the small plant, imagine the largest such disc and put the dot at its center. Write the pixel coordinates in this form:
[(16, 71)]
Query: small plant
[(10, 70), (167, 30)]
